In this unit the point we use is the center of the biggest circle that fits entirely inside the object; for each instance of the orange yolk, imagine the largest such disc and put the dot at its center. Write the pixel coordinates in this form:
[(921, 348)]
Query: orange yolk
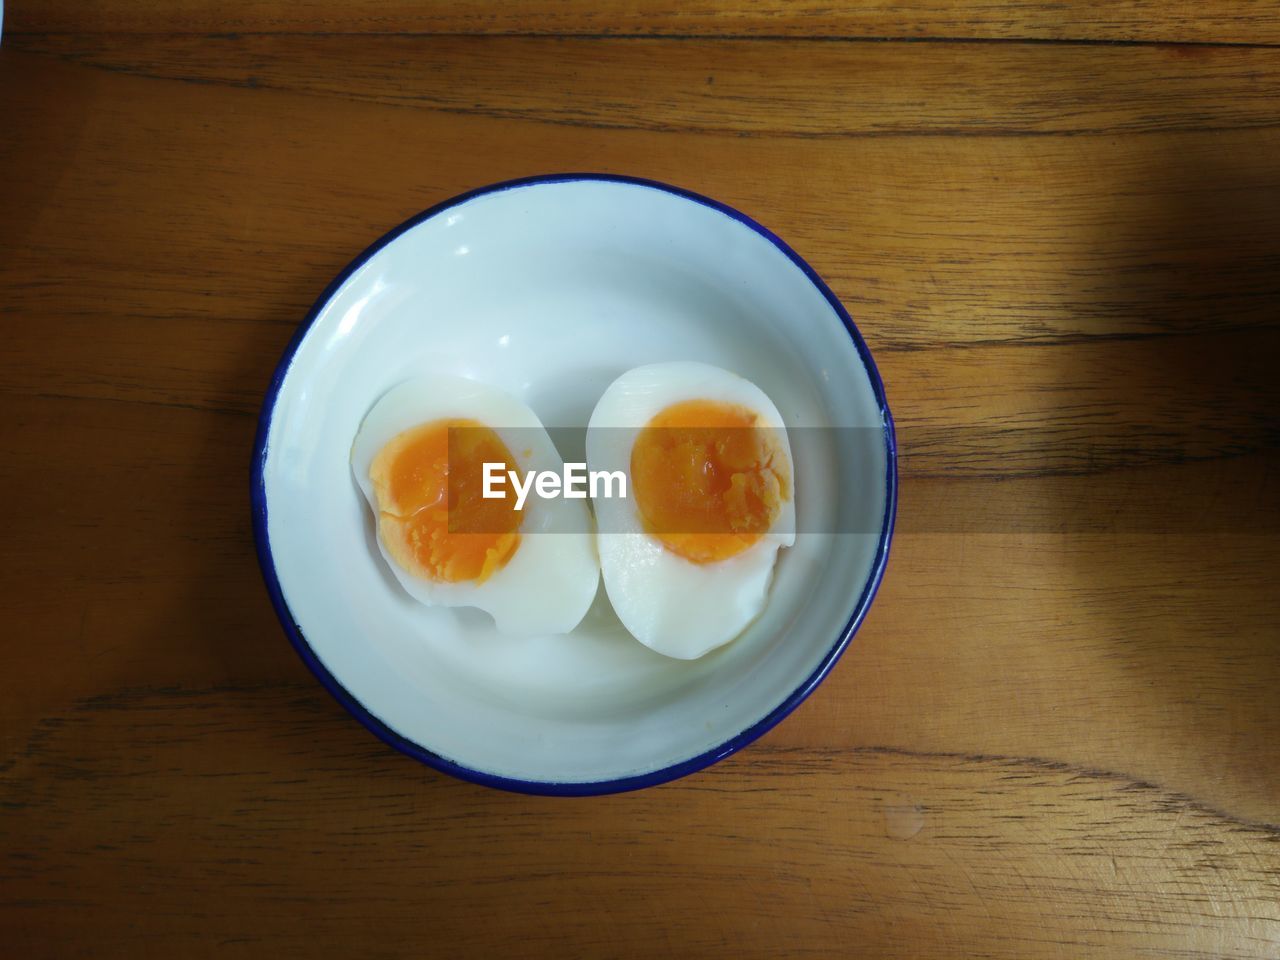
[(708, 480), (432, 515)]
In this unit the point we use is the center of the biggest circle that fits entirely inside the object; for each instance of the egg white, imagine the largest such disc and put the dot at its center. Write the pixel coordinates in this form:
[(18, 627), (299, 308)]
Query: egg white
[(676, 607), (549, 583)]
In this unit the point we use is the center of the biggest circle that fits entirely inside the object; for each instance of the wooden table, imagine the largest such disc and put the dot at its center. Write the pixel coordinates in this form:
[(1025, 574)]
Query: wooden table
[(1058, 225)]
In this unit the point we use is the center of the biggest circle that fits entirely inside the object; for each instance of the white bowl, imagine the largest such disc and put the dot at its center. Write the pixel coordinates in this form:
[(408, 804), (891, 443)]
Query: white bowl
[(550, 288)]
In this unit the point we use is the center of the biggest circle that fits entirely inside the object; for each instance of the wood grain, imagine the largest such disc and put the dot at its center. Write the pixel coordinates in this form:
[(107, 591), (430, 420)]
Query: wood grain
[(293, 849), (1056, 735), (1225, 21), (823, 90)]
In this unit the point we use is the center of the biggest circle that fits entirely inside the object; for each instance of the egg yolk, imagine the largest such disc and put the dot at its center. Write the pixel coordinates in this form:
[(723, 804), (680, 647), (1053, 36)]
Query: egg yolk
[(432, 516), (708, 480)]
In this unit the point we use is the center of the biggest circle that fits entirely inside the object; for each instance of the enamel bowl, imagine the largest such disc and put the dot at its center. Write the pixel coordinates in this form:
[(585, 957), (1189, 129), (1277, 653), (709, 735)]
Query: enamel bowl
[(550, 288)]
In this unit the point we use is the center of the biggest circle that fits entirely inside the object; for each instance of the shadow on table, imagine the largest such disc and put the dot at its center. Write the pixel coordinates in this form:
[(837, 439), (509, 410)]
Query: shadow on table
[(1182, 465)]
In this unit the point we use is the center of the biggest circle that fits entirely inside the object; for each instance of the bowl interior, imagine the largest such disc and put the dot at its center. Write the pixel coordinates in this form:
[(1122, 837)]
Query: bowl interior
[(550, 290)]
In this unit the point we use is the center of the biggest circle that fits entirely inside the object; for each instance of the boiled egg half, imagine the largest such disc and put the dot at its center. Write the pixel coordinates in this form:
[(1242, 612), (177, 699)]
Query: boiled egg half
[(688, 553), (419, 458)]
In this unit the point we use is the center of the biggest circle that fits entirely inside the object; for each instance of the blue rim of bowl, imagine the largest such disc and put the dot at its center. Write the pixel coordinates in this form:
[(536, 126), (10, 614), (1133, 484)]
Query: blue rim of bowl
[(258, 496)]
